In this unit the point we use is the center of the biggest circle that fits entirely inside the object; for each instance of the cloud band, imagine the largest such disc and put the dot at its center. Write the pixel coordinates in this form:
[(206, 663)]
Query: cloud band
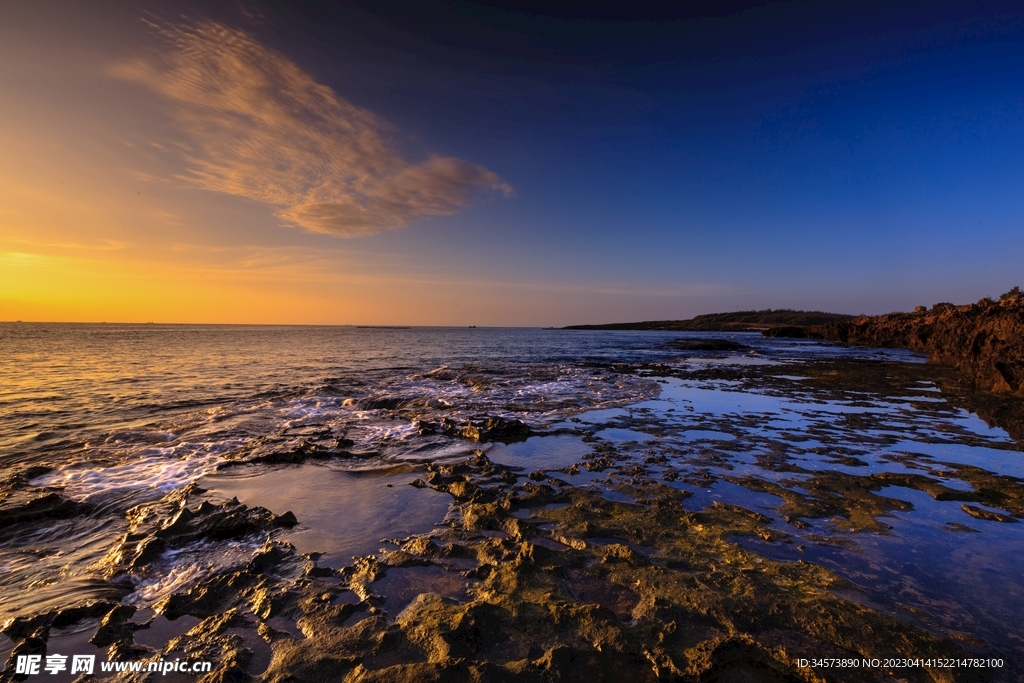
[(261, 128)]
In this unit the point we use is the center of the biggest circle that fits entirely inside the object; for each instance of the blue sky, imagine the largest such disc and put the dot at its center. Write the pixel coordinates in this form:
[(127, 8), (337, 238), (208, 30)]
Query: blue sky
[(548, 166)]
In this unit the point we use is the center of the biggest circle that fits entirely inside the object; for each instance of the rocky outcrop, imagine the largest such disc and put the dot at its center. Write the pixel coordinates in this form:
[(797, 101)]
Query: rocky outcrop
[(689, 344), (487, 429), (169, 523), (534, 580), (984, 341), (21, 502)]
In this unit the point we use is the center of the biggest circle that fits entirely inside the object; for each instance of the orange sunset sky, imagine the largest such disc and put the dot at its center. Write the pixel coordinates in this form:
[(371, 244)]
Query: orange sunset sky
[(465, 165)]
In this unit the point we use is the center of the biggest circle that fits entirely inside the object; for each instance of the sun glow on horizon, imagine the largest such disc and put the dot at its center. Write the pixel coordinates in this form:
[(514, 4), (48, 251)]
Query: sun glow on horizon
[(153, 205), (459, 165)]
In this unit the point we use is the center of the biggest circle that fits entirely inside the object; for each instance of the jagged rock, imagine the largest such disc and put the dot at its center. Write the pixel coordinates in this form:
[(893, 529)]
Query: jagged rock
[(489, 429), (22, 627), (32, 645), (984, 341), (27, 505), (496, 429), (170, 523), (981, 513), (115, 627), (686, 344)]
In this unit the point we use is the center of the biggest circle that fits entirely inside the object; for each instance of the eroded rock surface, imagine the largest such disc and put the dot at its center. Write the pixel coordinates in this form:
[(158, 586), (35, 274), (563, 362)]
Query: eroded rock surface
[(20, 502), (530, 580), (537, 577), (984, 341)]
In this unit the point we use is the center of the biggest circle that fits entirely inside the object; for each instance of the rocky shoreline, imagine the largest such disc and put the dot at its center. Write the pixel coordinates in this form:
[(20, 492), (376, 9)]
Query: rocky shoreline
[(535, 581), (983, 341), (534, 578), (606, 569)]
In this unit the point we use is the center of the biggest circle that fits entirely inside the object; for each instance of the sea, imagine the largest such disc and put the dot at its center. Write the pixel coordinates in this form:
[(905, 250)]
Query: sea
[(113, 415)]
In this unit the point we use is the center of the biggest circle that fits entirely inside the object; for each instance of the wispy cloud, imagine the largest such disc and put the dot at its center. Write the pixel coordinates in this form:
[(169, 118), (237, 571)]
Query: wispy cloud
[(99, 245), (344, 266), (261, 128)]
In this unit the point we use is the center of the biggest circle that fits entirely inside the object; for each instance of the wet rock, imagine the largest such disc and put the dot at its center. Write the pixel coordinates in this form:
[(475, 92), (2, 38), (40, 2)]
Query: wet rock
[(741, 659), (556, 582), (285, 451), (444, 629), (28, 505), (273, 555), (18, 628), (424, 547), (496, 429), (115, 627), (401, 558), (390, 403), (693, 607), (31, 645), (617, 552), (984, 341), (849, 501), (21, 627), (170, 523), (488, 429), (219, 638), (474, 479), (979, 513), (210, 597), (689, 344), (987, 488)]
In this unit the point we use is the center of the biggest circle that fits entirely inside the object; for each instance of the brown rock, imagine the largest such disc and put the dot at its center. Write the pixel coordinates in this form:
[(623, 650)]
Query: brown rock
[(984, 341)]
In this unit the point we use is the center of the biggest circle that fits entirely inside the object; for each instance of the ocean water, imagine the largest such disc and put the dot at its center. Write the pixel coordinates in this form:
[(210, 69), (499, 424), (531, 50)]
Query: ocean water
[(123, 414)]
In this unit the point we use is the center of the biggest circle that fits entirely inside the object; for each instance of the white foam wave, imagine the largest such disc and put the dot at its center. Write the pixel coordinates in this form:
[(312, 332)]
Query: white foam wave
[(154, 470), (164, 456), (178, 570)]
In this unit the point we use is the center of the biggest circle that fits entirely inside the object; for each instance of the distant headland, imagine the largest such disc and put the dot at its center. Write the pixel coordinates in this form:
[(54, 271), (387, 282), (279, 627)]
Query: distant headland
[(738, 321)]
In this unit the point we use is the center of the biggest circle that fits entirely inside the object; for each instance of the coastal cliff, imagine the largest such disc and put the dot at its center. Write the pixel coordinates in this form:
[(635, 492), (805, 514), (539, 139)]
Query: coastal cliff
[(984, 341)]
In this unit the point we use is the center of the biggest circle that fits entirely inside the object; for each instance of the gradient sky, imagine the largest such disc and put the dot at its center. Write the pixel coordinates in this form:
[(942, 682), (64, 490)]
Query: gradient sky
[(462, 163)]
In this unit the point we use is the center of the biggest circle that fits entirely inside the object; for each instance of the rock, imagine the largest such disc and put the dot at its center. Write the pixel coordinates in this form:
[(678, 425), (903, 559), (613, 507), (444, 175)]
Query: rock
[(22, 627), (496, 429), (689, 344), (32, 645), (115, 627), (26, 506), (170, 523), (980, 513), (791, 332), (984, 341)]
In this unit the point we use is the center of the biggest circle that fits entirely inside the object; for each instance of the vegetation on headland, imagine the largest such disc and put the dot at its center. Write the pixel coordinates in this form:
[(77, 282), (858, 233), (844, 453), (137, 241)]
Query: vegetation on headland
[(736, 321)]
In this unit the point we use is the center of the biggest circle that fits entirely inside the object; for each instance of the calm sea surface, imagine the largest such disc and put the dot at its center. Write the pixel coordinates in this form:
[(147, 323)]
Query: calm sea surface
[(123, 414)]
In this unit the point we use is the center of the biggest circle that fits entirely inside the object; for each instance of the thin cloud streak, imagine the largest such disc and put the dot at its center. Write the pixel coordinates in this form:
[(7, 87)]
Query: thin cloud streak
[(100, 245), (319, 266), (260, 128)]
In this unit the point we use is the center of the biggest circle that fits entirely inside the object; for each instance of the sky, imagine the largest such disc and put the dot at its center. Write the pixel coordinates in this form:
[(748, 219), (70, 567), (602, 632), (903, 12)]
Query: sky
[(520, 164)]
